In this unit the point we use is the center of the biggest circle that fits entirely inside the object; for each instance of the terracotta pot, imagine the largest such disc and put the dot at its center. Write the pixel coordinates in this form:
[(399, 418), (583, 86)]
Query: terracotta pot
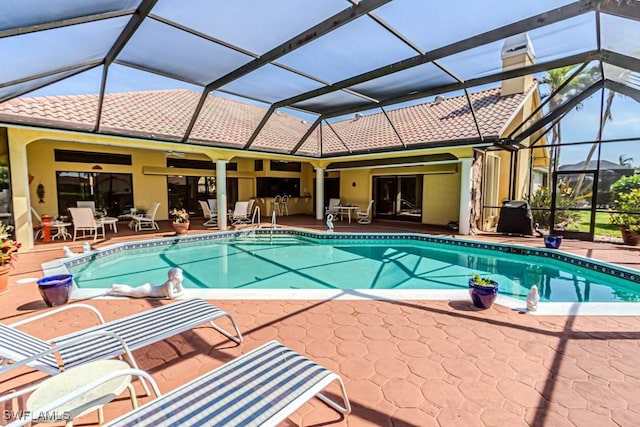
[(629, 236), (4, 279), (181, 227)]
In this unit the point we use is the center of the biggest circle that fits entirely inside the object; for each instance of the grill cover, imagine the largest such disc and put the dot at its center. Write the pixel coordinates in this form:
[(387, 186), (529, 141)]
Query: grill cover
[(515, 218)]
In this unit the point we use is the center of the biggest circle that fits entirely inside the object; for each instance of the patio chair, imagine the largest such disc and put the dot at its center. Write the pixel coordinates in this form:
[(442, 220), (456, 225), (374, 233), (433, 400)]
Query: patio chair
[(260, 388), (210, 220), (83, 220), (333, 207), (106, 340), (87, 204), (213, 207), (148, 220), (284, 205), (241, 213), (363, 216), (277, 202)]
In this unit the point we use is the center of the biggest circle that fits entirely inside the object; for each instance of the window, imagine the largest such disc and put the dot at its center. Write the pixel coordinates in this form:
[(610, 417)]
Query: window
[(110, 191), (198, 164), (284, 166), (95, 157), (258, 165), (185, 191), (271, 187)]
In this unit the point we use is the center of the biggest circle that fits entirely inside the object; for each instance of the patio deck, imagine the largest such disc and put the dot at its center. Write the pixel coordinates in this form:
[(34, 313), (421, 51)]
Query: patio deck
[(405, 363)]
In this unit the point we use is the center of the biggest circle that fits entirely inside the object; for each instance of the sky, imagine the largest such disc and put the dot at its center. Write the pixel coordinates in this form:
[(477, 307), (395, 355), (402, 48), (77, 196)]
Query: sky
[(256, 26)]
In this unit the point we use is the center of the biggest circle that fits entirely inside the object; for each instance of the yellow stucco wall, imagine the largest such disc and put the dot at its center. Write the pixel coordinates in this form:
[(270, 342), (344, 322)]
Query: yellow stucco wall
[(146, 188), (441, 189), (441, 199)]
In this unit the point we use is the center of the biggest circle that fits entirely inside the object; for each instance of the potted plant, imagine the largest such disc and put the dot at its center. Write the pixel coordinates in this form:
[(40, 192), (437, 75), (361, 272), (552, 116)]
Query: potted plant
[(8, 254), (626, 208), (180, 221), (483, 291)]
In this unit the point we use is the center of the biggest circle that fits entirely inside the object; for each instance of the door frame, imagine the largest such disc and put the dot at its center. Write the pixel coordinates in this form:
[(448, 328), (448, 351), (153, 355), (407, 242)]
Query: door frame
[(572, 234)]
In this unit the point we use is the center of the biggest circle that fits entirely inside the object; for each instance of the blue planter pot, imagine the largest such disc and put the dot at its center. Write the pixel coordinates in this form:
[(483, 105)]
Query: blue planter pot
[(55, 290), (483, 296), (552, 241)]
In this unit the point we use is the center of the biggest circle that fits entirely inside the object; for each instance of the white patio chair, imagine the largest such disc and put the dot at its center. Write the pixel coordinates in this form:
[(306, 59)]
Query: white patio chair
[(148, 220), (284, 205), (333, 207), (87, 204), (213, 207), (363, 216), (83, 220), (275, 207), (108, 339), (210, 220), (241, 214), (260, 388)]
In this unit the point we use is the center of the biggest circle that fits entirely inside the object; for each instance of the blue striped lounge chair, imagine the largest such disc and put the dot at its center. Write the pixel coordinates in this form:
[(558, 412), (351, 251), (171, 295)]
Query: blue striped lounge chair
[(260, 388), (107, 339)]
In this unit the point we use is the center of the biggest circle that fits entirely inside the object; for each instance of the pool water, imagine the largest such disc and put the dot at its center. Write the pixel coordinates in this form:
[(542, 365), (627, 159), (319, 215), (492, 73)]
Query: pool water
[(288, 262)]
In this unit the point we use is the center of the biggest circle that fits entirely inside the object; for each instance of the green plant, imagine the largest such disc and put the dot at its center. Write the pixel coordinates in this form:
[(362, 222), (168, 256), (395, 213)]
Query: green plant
[(541, 207), (626, 193), (481, 281), (8, 251), (180, 215)]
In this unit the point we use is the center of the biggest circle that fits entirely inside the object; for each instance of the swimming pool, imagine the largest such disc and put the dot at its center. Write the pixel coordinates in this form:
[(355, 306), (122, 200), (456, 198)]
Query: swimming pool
[(303, 260)]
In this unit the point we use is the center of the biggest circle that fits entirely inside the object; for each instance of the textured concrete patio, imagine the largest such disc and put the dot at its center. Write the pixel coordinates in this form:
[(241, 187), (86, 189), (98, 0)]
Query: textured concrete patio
[(405, 363)]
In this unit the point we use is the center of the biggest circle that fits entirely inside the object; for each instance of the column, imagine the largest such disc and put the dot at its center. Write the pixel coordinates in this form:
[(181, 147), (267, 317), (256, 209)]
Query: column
[(20, 191), (320, 193), (464, 217), (221, 191)]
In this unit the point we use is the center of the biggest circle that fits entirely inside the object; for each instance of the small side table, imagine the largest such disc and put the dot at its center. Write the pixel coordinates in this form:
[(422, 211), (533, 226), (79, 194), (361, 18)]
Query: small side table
[(61, 230), (112, 221), (64, 383)]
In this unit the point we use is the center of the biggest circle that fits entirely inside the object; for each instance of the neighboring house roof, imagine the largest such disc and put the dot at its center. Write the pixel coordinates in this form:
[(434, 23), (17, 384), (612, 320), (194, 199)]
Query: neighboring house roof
[(593, 164), (165, 115)]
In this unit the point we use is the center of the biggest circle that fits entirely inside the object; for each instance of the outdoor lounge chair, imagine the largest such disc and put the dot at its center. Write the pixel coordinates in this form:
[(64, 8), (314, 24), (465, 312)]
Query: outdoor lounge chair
[(211, 221), (108, 339), (259, 388), (363, 216), (333, 207), (148, 220), (241, 213), (83, 220)]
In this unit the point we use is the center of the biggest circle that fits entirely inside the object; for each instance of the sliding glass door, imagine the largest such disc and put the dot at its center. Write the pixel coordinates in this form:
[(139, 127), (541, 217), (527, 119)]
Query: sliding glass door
[(398, 197)]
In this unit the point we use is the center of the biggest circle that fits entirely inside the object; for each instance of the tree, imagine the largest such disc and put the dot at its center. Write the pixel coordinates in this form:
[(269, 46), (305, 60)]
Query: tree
[(625, 161)]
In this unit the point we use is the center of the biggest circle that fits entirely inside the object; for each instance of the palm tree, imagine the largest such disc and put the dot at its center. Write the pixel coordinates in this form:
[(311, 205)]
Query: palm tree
[(554, 79), (625, 161)]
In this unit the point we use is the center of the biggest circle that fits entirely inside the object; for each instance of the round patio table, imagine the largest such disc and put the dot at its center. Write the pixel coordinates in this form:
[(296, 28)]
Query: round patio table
[(70, 380)]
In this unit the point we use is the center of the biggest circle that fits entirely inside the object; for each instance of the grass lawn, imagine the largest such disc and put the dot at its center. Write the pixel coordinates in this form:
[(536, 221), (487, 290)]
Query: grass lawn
[(602, 226)]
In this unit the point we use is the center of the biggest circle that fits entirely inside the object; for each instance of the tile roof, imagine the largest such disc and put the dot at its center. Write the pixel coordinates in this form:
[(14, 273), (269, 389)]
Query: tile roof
[(165, 115)]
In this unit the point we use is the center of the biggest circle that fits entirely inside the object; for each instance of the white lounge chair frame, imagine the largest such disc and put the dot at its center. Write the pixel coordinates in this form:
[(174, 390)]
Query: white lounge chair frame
[(148, 220), (108, 339), (210, 220), (363, 216), (84, 221), (259, 388)]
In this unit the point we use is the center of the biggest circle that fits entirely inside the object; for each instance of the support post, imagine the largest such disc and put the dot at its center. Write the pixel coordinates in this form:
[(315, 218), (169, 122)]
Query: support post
[(464, 217), (221, 193), (320, 193)]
